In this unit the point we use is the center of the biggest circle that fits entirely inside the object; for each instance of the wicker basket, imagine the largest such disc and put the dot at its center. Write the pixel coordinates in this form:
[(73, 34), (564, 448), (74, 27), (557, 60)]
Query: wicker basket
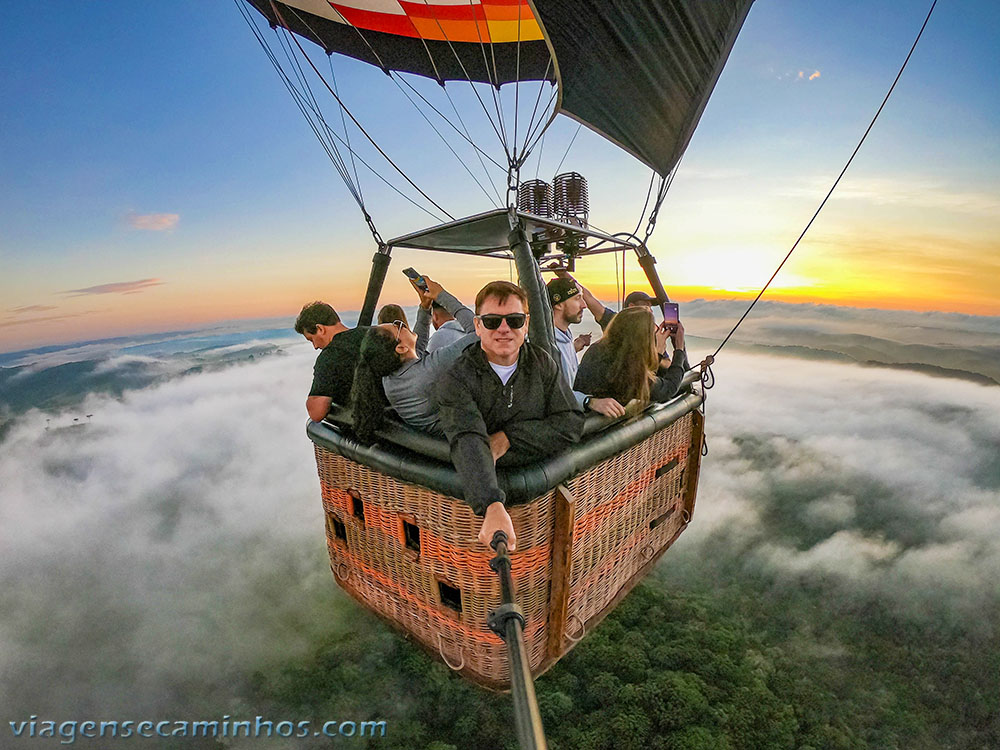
[(411, 555)]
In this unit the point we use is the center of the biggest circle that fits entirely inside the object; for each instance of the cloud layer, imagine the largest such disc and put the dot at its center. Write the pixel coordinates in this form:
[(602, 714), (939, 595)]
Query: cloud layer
[(117, 287), (157, 554), (153, 222), (879, 485)]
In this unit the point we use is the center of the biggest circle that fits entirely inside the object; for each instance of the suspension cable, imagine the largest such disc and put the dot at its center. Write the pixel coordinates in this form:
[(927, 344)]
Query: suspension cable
[(711, 358), (541, 148), (571, 142), (501, 133), (353, 118), (449, 146), (302, 102), (343, 122)]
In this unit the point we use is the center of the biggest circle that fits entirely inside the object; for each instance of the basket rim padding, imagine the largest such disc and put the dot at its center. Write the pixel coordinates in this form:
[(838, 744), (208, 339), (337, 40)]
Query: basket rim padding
[(521, 483)]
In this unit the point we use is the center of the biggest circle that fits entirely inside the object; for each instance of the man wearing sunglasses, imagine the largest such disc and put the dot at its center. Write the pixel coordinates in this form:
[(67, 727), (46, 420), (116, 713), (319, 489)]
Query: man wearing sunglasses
[(504, 402)]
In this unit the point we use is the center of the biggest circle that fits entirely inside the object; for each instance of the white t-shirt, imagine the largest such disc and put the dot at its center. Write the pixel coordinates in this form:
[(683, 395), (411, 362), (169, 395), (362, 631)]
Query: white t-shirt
[(504, 371)]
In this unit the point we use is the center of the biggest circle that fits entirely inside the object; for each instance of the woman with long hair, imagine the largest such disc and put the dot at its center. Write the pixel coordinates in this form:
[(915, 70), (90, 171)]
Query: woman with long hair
[(395, 370), (629, 362)]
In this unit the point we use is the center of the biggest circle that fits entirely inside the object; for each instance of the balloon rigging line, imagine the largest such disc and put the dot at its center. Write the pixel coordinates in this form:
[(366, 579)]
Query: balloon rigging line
[(338, 160), (298, 98), (478, 151), (396, 77), (531, 120), (343, 108), (835, 182), (541, 148), (343, 122), (449, 146), (571, 142), (501, 133), (494, 79), (355, 120), (301, 102), (444, 117), (535, 134)]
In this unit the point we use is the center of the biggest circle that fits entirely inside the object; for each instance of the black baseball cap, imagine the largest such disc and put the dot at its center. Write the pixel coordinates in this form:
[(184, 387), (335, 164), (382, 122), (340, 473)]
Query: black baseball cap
[(561, 290), (639, 298)]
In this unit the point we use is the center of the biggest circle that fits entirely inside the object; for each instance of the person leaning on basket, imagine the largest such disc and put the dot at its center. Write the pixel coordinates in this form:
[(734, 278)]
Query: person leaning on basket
[(630, 361), (396, 369), (333, 373), (505, 402)]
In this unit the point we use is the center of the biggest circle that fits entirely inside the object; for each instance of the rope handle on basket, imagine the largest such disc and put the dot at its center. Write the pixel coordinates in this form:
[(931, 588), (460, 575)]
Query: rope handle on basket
[(336, 571), (707, 377), (461, 656), (685, 515), (647, 551), (583, 629)]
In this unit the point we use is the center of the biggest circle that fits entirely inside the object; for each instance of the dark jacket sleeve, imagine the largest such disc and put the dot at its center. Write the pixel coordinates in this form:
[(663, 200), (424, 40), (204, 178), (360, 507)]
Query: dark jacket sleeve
[(463, 425), (562, 424), (591, 376), (667, 381), (606, 317)]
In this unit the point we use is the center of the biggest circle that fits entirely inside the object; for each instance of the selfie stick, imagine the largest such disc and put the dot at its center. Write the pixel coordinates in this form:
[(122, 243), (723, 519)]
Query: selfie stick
[(507, 621)]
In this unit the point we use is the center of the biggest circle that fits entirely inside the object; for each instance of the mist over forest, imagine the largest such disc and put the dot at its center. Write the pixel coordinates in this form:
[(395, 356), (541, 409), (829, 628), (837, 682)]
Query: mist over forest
[(163, 552)]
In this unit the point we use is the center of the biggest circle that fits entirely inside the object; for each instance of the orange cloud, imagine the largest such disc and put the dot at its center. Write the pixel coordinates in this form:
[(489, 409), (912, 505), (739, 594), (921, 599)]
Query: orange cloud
[(30, 309), (153, 222), (118, 287), (814, 76)]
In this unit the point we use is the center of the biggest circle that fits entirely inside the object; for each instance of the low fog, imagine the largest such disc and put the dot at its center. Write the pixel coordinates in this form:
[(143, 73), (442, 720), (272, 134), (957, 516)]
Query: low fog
[(164, 548), (157, 554), (875, 484)]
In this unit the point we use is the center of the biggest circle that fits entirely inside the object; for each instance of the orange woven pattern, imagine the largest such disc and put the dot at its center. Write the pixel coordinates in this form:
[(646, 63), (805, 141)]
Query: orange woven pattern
[(403, 585), (624, 516)]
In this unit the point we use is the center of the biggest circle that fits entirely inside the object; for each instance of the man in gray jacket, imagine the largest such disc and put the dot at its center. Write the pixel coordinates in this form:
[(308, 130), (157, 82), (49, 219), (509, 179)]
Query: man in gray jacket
[(505, 402)]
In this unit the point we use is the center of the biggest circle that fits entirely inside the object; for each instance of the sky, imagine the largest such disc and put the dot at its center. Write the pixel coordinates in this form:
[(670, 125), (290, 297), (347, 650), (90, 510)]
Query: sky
[(155, 175)]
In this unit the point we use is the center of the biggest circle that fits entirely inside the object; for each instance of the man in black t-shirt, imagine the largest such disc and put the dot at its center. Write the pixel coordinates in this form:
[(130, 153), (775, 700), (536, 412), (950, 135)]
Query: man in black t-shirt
[(333, 373)]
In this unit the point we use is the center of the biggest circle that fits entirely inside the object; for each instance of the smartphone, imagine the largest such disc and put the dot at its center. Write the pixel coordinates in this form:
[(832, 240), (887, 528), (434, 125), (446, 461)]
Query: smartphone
[(670, 316), (411, 274)]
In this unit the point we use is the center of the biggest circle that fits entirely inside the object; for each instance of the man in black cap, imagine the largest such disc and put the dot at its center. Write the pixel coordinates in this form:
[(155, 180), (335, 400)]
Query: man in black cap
[(604, 315), (567, 308)]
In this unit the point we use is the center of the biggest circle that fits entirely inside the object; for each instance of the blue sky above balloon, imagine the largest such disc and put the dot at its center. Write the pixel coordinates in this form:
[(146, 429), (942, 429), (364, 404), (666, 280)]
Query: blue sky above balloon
[(156, 142)]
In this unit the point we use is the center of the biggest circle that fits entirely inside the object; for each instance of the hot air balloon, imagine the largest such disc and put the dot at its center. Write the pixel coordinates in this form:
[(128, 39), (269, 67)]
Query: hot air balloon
[(591, 521)]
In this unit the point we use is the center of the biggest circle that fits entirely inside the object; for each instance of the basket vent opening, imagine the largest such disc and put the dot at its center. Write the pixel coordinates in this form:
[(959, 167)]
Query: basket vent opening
[(660, 519), (359, 508), (450, 596), (411, 533), (339, 530)]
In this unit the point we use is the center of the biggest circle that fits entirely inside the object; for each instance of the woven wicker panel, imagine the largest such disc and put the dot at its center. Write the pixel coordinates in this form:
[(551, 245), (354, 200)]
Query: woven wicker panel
[(593, 594), (601, 528), (617, 502), (614, 540), (451, 519), (401, 584)]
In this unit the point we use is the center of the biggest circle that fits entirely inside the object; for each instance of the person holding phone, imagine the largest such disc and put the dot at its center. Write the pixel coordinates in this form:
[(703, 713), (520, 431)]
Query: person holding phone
[(628, 363), (395, 368)]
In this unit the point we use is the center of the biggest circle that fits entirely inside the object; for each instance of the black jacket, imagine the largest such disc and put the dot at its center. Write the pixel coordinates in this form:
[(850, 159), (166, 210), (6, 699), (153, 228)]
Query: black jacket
[(536, 410), (595, 377)]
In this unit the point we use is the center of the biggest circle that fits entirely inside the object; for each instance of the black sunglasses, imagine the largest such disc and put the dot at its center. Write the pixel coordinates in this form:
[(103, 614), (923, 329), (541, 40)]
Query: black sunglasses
[(514, 320)]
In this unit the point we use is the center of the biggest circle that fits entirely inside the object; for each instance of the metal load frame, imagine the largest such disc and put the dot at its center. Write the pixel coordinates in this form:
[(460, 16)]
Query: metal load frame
[(528, 240)]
